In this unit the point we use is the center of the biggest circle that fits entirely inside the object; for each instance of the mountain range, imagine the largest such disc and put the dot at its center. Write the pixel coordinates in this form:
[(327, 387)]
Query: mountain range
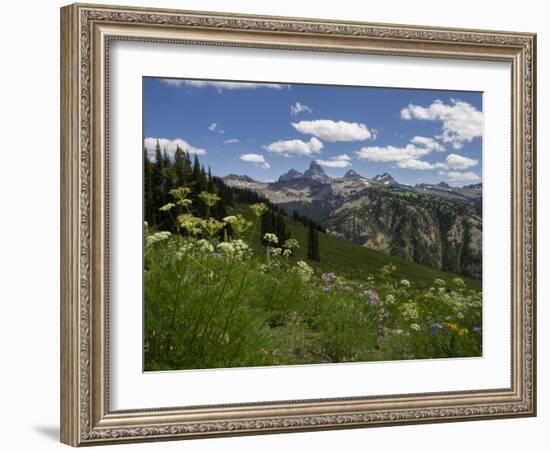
[(433, 224)]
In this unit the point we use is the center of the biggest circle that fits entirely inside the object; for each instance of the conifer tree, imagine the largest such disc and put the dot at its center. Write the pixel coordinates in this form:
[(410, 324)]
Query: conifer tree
[(148, 201)]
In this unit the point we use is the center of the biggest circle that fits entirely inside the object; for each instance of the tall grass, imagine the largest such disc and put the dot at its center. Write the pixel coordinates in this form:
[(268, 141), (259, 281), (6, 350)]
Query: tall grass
[(217, 301)]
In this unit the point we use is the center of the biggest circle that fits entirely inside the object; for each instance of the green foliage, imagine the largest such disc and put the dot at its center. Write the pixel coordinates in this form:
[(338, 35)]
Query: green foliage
[(217, 302), (218, 292)]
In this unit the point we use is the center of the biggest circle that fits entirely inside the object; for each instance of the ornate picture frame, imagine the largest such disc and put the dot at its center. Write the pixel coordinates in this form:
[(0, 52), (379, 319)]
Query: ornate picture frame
[(87, 31)]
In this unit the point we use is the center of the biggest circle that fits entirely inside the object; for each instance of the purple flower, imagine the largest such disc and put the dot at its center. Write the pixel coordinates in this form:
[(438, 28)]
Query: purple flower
[(372, 295), (328, 277), (476, 329), (434, 327)]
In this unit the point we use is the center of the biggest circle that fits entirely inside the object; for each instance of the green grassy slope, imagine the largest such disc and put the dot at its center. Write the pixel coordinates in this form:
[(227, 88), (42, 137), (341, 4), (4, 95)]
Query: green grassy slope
[(353, 261)]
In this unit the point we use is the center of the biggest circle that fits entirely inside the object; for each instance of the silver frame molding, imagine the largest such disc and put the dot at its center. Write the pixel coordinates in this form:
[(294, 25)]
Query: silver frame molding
[(86, 31)]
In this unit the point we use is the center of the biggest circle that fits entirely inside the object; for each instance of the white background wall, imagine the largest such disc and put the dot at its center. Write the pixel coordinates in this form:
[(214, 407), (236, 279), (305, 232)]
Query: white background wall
[(29, 223)]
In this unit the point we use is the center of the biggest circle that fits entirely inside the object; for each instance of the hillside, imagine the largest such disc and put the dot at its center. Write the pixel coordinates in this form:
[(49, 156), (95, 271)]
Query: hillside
[(353, 261), (435, 225)]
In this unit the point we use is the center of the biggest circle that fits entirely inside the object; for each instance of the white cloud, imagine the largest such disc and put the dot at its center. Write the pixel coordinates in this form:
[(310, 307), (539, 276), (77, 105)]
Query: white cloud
[(454, 162), (295, 147), (219, 85), (338, 161), (331, 131), (461, 121), (428, 142), (460, 162), (231, 141), (342, 157), (392, 154), (214, 128), (298, 107), (463, 177), (415, 164), (170, 145), (334, 163), (256, 159)]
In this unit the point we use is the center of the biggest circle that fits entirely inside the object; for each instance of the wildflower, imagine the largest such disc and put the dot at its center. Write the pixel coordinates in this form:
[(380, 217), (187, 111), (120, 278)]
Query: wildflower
[(291, 243), (157, 237), (397, 331), (409, 311), (434, 327), (439, 282), (204, 246), (209, 199), (388, 269), (271, 238), (459, 282), (415, 326), (405, 283), (259, 209), (180, 193), (451, 326), (287, 252), (167, 207), (238, 223), (303, 270), (463, 331), (390, 299), (241, 248), (328, 277), (211, 226), (185, 202), (476, 329), (277, 251), (226, 248), (190, 223), (372, 295)]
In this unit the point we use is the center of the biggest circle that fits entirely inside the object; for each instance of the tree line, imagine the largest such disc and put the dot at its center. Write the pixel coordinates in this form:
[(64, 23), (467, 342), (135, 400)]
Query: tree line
[(163, 172)]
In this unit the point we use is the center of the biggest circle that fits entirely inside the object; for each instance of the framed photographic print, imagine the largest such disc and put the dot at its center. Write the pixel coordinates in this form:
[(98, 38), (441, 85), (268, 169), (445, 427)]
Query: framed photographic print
[(276, 224)]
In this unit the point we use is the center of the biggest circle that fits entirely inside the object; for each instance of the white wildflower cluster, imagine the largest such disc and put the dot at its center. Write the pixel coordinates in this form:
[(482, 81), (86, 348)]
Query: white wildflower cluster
[(291, 243), (415, 326), (409, 311), (167, 207), (237, 248), (303, 270), (287, 252), (405, 283), (156, 237), (183, 249), (204, 246), (461, 305), (271, 238), (276, 251), (390, 299)]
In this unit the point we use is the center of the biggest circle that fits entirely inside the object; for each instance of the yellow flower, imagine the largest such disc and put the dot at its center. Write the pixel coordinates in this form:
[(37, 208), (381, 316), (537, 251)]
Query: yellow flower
[(190, 223), (211, 226), (259, 209), (180, 193), (238, 223), (167, 207), (209, 199)]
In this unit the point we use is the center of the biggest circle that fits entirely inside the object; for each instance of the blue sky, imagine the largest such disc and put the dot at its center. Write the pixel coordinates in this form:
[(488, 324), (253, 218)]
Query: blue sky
[(263, 130)]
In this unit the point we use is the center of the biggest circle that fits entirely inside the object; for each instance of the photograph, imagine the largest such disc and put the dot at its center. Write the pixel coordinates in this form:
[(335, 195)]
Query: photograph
[(297, 224)]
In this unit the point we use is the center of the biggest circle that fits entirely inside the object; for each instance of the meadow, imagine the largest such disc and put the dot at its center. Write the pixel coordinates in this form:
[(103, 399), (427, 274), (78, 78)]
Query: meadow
[(219, 293)]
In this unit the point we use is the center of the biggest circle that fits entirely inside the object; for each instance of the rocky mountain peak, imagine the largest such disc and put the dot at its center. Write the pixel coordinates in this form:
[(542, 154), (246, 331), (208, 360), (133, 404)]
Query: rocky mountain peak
[(291, 175), (316, 172), (351, 174), (385, 178)]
